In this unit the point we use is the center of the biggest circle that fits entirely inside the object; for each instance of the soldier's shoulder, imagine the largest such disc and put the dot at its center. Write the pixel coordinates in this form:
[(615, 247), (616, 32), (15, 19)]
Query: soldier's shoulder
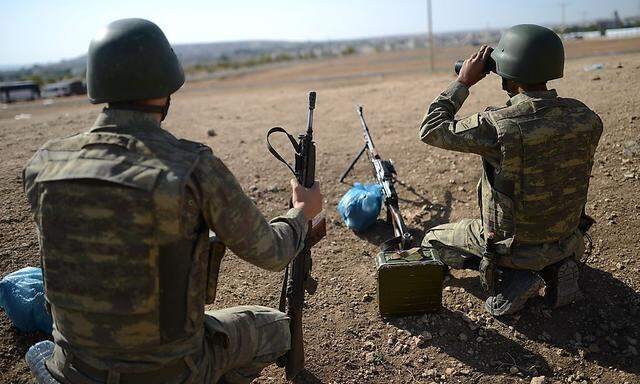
[(575, 103), (508, 111), (63, 143), (194, 146)]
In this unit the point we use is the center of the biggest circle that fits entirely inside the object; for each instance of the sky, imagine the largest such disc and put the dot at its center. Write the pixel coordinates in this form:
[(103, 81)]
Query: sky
[(40, 31)]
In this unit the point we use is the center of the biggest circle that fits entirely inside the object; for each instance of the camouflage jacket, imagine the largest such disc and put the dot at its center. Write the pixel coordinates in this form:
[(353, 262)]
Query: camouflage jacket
[(123, 213), (537, 153)]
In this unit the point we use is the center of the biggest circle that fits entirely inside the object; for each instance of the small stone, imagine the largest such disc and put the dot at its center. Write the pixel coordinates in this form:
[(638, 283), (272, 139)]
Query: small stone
[(539, 380), (450, 371), (367, 298), (418, 341), (273, 188), (369, 346), (582, 353), (211, 132), (514, 370), (427, 335), (430, 373), (479, 339), (463, 337), (596, 78), (370, 357)]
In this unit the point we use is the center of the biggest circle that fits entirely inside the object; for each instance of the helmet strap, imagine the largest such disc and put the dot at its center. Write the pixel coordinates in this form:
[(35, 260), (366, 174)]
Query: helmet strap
[(147, 108), (505, 87)]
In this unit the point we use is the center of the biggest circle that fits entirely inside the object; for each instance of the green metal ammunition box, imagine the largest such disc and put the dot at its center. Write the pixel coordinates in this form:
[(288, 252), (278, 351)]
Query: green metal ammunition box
[(409, 282)]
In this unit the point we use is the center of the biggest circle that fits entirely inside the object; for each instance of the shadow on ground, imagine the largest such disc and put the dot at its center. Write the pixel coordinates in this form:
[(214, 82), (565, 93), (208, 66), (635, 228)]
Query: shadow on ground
[(603, 328), (495, 354)]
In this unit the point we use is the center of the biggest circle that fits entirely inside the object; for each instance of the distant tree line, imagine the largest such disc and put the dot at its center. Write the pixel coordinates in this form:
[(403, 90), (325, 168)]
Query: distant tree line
[(37, 74), (226, 63)]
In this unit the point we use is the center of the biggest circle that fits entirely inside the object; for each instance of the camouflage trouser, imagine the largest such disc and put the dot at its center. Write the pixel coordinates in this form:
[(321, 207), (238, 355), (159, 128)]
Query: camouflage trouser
[(465, 238), (457, 240), (243, 340)]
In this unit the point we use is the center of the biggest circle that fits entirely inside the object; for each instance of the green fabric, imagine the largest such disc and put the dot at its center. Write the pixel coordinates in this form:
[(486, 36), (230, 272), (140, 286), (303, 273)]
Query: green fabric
[(467, 237)]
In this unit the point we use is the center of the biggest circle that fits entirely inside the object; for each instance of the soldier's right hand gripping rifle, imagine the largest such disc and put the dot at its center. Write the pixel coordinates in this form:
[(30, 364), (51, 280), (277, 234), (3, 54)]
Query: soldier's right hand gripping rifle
[(297, 278), (385, 174)]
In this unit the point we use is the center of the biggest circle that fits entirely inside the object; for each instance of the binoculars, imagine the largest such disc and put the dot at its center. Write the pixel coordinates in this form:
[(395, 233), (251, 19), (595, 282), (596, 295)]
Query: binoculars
[(489, 65)]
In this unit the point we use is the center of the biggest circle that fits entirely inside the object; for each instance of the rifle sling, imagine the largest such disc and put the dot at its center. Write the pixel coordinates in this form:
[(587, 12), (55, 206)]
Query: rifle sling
[(275, 153)]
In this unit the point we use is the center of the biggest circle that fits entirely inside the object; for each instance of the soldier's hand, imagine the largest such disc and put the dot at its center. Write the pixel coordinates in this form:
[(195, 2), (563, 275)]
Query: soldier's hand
[(472, 70), (307, 199)]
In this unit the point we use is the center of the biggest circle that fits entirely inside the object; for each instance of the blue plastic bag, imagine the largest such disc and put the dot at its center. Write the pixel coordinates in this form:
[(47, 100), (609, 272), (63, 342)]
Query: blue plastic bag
[(22, 298), (360, 206)]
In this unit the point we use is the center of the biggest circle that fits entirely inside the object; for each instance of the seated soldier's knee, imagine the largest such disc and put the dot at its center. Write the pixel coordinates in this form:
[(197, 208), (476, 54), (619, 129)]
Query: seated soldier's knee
[(274, 335)]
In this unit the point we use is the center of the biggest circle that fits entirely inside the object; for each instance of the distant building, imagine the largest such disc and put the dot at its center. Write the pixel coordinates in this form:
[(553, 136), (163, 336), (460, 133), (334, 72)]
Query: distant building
[(64, 88), (18, 90)]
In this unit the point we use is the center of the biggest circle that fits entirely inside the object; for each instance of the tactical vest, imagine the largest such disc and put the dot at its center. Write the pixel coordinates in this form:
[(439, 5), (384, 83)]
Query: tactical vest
[(124, 269), (539, 190)]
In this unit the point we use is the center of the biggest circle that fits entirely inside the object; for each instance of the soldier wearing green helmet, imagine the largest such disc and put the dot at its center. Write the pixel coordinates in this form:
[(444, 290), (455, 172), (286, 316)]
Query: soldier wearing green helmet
[(537, 154), (124, 212)]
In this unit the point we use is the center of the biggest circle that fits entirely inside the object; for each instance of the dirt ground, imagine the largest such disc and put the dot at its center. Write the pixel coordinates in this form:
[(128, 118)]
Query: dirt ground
[(595, 340)]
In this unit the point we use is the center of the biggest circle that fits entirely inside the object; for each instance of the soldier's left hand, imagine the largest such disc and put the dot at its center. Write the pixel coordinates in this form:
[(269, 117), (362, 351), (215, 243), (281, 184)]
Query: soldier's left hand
[(473, 69)]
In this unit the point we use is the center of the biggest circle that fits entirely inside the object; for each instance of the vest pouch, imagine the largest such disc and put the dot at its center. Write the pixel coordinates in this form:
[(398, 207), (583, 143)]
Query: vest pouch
[(497, 211), (99, 250), (410, 281), (98, 253)]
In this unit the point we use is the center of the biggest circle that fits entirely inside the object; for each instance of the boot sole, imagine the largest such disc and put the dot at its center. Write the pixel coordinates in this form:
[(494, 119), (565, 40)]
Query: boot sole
[(567, 290)]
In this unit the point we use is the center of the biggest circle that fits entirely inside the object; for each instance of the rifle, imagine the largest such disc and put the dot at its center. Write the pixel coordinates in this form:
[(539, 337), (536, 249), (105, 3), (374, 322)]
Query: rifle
[(216, 252), (385, 174), (299, 280)]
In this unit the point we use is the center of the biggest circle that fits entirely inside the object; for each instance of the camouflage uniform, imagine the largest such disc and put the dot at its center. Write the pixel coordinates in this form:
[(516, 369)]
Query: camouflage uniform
[(537, 154), (123, 213)]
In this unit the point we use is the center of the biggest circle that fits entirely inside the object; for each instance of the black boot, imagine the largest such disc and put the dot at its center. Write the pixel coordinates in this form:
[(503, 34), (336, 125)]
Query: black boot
[(561, 280), (516, 287)]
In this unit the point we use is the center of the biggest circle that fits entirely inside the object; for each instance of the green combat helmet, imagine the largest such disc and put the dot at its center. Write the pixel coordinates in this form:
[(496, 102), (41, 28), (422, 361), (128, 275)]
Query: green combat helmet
[(131, 59), (529, 54)]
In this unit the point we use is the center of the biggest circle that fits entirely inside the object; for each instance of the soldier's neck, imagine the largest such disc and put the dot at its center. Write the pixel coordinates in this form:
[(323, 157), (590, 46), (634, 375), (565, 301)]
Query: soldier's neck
[(524, 88)]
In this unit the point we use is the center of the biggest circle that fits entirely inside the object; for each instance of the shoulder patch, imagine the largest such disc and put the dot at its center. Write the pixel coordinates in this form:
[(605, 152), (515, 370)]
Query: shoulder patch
[(468, 123)]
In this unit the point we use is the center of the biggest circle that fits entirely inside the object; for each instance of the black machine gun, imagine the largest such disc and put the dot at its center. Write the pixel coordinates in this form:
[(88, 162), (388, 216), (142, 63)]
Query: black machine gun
[(385, 174), (297, 277)]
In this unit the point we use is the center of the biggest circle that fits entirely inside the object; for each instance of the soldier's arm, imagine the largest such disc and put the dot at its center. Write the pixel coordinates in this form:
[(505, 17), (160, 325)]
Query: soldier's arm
[(473, 134), (29, 174), (240, 225)]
